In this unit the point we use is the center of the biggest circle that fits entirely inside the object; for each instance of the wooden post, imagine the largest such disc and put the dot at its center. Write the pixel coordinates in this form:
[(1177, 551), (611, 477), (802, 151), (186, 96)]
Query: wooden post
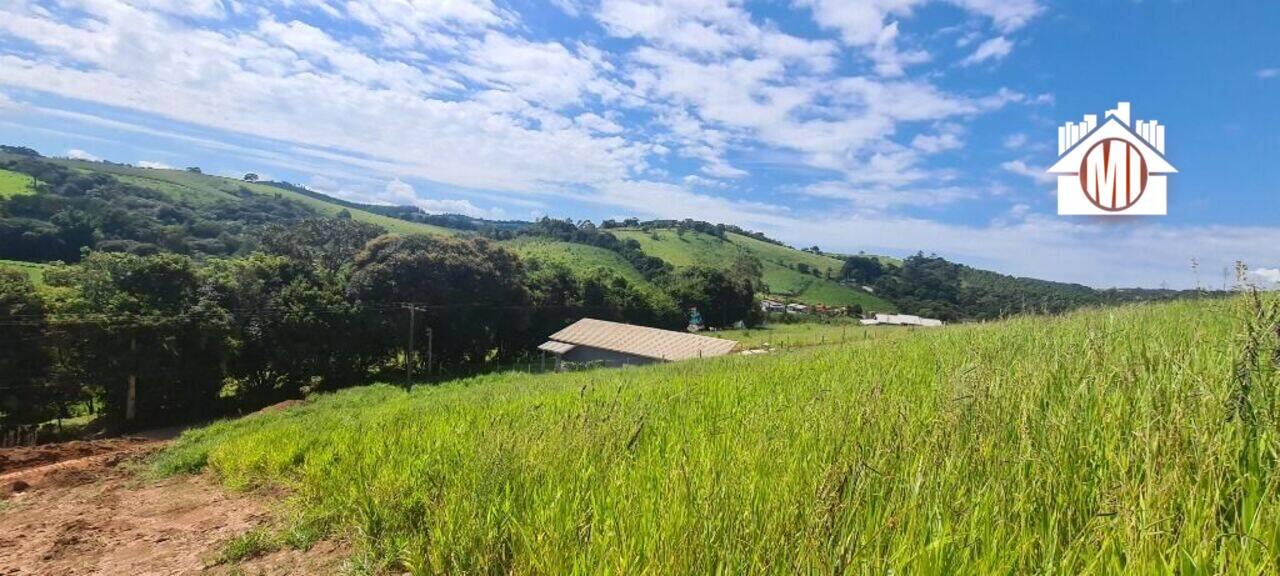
[(408, 353), (131, 396)]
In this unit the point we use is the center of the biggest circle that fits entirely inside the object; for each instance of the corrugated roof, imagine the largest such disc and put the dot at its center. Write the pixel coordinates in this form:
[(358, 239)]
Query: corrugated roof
[(556, 347), (642, 341)]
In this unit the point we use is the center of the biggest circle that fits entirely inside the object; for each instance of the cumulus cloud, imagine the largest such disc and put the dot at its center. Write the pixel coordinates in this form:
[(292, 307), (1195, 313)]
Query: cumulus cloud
[(78, 154), (1021, 168), (991, 50), (154, 165)]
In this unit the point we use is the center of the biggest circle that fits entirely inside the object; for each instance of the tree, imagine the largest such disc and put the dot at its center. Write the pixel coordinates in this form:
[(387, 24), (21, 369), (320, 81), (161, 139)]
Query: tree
[(474, 293), (862, 269), (194, 170), (147, 319), (251, 177), (293, 328), (24, 395), (722, 298), (327, 244)]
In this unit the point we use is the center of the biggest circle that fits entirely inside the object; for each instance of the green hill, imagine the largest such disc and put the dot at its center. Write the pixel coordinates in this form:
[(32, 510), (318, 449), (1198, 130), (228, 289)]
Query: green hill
[(575, 256), (790, 273), (205, 189), (15, 184), (1097, 442)]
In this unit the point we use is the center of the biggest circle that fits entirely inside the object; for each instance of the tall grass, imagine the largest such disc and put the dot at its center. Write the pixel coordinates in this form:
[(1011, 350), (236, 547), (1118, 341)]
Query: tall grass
[(1099, 442)]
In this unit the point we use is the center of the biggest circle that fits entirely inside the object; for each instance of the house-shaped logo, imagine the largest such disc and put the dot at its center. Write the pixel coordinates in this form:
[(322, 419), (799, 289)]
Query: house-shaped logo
[(1113, 169)]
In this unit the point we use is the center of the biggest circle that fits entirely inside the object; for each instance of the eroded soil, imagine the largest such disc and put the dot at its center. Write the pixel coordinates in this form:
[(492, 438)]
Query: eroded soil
[(85, 508)]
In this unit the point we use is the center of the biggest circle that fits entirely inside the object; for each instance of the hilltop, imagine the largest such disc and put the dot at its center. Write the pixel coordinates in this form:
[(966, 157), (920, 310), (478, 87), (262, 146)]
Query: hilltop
[(788, 273)]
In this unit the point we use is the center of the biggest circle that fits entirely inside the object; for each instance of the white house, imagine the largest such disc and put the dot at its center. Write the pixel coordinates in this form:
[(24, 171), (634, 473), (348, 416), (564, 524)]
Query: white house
[(900, 320)]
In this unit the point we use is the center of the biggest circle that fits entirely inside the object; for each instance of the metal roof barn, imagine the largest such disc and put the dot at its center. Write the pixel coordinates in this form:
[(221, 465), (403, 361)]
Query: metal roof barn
[(614, 343)]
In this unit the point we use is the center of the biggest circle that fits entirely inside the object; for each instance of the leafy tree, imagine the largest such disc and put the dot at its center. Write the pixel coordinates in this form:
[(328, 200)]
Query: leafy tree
[(474, 291), (291, 328), (145, 316), (325, 243), (722, 298), (194, 170), (24, 395), (251, 177), (862, 269)]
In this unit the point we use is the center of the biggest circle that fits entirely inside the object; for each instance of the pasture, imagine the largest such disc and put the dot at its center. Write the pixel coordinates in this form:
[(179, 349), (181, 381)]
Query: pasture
[(1137, 439)]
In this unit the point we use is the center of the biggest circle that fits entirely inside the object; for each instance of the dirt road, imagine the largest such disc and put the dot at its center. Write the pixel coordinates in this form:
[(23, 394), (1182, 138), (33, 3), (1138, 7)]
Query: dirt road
[(83, 508)]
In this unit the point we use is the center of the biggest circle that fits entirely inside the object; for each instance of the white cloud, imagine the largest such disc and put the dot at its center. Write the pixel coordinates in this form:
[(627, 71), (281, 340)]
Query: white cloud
[(994, 49), (154, 165), (878, 197), (1268, 73), (1269, 277), (77, 154), (1021, 168), (948, 137), (597, 123), (1015, 141)]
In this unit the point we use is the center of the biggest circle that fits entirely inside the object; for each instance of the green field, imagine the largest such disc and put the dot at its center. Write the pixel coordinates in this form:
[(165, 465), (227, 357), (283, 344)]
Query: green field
[(575, 256), (1103, 441), (15, 184), (204, 189), (779, 262), (809, 334), (33, 270)]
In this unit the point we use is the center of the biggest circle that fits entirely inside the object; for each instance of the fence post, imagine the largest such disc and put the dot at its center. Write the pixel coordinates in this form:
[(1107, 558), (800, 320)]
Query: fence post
[(131, 396)]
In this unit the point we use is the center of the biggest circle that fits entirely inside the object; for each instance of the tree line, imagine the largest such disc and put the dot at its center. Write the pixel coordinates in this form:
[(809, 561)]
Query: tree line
[(932, 286), (318, 305)]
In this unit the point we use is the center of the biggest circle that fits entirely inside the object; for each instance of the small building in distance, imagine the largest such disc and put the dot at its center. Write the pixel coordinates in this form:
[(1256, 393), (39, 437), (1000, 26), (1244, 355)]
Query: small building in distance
[(772, 306), (900, 320), (797, 308), (591, 341)]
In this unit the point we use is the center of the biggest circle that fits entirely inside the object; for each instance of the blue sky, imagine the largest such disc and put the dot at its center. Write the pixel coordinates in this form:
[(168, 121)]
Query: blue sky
[(888, 126)]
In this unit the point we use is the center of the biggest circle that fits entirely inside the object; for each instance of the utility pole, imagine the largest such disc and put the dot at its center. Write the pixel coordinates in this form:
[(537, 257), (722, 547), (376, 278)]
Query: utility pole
[(408, 353)]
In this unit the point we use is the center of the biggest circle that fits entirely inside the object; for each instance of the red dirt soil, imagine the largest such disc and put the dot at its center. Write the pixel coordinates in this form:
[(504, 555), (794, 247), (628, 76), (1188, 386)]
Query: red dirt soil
[(93, 514)]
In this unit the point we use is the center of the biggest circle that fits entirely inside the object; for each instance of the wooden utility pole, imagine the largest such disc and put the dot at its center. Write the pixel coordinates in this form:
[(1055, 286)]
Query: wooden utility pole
[(409, 351)]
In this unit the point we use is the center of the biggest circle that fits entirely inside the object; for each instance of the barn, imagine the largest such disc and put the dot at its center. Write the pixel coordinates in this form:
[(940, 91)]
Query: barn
[(600, 342)]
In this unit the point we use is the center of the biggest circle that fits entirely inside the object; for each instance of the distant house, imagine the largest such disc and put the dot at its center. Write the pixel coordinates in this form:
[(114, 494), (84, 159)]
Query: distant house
[(773, 306), (797, 308), (900, 320), (591, 341)]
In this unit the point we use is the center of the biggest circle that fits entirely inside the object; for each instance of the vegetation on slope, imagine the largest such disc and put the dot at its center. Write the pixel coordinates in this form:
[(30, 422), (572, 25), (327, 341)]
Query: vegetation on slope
[(788, 273), (576, 256), (1104, 441), (15, 184), (33, 270), (199, 188)]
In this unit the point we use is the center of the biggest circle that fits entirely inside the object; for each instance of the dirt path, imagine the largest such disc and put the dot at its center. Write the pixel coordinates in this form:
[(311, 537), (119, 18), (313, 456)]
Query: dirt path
[(93, 514)]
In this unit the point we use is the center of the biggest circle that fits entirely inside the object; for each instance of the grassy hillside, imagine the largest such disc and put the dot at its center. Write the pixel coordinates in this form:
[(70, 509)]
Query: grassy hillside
[(575, 256), (203, 189), (33, 270), (781, 264), (14, 184), (1096, 442)]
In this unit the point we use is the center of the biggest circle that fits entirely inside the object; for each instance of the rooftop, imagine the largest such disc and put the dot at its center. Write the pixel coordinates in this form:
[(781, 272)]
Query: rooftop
[(637, 341)]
